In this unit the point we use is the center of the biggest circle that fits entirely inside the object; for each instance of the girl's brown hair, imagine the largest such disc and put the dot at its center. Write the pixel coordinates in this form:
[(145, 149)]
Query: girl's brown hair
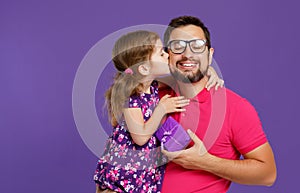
[(129, 52)]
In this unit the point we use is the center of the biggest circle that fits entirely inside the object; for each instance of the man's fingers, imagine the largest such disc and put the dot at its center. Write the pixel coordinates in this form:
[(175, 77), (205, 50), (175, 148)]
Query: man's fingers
[(194, 137), (170, 155), (197, 143)]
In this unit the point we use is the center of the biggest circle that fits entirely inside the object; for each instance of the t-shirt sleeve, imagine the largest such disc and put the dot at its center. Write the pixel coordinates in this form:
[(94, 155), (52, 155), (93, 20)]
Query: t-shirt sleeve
[(247, 131)]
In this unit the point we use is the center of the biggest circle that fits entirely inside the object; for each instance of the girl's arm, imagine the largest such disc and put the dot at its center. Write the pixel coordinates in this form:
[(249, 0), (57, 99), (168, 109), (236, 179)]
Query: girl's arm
[(213, 79), (141, 131)]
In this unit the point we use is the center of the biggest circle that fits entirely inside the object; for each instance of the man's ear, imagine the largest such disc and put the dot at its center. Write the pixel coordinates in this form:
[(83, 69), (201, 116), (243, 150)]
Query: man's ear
[(210, 55), (144, 69)]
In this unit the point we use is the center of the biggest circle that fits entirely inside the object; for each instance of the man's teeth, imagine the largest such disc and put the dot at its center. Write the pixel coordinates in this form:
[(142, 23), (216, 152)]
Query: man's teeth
[(188, 65)]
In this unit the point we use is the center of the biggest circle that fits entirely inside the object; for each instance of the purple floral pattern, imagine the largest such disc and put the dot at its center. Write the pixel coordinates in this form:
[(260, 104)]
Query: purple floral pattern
[(127, 167)]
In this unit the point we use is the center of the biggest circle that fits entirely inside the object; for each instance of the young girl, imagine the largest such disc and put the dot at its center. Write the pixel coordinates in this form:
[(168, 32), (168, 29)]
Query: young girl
[(132, 161)]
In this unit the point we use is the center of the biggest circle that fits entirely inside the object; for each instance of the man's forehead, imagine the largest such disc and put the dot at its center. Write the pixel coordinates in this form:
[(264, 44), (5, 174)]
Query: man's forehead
[(187, 33)]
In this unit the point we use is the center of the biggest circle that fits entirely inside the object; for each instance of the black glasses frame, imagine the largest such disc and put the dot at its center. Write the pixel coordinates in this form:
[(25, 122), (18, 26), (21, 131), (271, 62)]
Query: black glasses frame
[(186, 43)]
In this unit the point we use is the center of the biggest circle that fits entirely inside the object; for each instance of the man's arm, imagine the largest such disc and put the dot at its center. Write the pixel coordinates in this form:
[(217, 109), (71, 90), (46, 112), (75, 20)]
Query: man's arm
[(257, 168)]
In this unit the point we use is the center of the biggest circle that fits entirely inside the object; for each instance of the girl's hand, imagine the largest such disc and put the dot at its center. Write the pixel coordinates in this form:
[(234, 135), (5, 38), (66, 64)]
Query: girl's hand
[(173, 104), (213, 79)]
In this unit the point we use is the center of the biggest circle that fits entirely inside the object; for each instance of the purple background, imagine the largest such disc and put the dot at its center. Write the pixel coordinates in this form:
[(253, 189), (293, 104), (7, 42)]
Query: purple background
[(43, 42)]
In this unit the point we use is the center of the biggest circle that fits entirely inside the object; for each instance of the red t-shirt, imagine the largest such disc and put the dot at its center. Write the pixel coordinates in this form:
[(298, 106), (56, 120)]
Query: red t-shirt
[(229, 127)]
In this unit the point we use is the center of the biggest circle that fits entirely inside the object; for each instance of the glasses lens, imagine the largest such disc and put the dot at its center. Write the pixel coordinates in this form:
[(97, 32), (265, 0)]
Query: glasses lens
[(197, 45), (177, 46)]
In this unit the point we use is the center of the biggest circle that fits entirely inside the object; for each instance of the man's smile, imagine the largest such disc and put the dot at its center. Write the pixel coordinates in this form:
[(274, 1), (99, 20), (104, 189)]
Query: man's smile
[(187, 65)]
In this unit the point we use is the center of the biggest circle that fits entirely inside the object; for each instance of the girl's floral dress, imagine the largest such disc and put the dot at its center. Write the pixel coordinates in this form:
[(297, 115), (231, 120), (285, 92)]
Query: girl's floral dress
[(127, 167)]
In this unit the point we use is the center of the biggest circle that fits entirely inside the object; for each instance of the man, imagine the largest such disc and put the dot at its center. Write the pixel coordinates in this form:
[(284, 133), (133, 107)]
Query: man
[(224, 125)]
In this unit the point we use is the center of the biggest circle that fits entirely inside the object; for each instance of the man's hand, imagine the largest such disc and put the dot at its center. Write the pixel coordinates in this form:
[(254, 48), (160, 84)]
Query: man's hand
[(258, 167), (190, 158)]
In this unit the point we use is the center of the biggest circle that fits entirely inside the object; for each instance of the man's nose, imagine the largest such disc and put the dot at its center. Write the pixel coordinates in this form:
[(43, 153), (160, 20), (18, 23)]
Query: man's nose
[(187, 52)]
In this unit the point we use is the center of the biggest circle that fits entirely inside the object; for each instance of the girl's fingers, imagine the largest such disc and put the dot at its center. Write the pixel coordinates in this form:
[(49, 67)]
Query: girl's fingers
[(180, 110), (184, 101), (220, 84), (165, 96), (214, 83), (217, 85), (211, 82), (178, 98)]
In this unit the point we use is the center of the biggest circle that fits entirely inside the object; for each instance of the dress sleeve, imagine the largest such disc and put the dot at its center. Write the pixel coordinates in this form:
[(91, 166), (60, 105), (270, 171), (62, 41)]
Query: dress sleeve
[(134, 102), (154, 88), (247, 131)]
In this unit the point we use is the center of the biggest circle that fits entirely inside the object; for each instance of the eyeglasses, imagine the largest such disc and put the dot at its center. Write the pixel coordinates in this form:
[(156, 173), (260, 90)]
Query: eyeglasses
[(179, 46)]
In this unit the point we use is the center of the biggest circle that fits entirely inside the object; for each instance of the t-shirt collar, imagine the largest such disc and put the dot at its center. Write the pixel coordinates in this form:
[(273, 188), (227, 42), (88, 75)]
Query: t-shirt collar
[(201, 97)]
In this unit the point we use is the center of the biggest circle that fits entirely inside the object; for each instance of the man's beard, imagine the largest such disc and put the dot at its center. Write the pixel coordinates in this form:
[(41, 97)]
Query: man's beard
[(188, 77)]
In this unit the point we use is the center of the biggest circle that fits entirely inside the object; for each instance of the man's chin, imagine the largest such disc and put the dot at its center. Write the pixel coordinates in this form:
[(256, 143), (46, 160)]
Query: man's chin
[(184, 80), (187, 77)]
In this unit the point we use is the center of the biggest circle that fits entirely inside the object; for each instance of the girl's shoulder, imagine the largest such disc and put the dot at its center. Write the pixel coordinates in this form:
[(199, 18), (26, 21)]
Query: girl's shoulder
[(154, 83), (154, 87), (136, 100)]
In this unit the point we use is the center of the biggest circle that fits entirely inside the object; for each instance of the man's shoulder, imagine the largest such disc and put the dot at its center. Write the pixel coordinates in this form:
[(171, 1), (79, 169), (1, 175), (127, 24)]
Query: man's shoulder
[(230, 95), (165, 89), (233, 96), (234, 100)]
